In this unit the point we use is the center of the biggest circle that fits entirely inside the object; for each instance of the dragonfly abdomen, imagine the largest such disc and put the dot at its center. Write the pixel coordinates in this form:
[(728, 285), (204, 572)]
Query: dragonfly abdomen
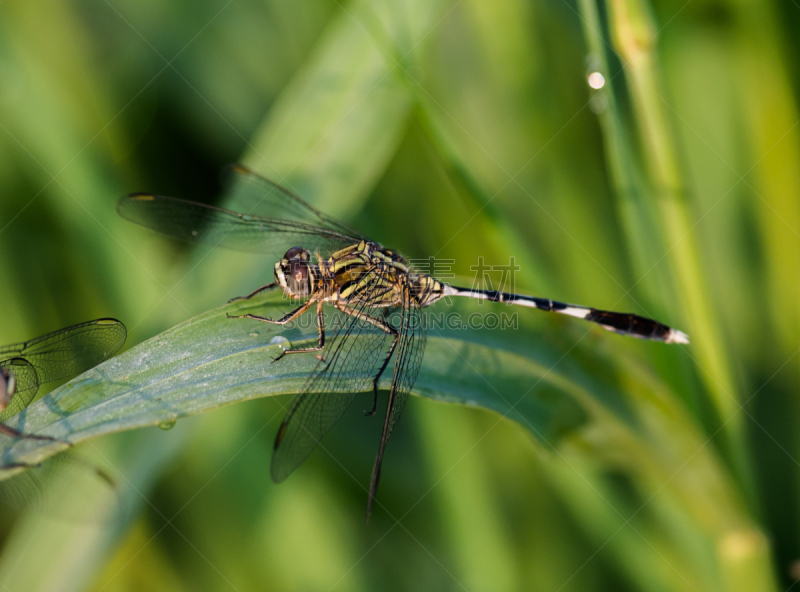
[(623, 323)]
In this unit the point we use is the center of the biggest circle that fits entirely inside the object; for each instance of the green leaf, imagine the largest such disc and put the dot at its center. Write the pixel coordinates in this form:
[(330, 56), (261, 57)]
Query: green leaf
[(212, 360), (636, 427), (629, 422)]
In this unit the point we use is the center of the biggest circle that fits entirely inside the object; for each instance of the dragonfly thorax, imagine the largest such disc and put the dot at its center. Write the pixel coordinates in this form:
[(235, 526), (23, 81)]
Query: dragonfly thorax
[(294, 274)]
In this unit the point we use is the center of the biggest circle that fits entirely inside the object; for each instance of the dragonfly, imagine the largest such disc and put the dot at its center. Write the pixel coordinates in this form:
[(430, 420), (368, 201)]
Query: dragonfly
[(54, 356), (324, 262)]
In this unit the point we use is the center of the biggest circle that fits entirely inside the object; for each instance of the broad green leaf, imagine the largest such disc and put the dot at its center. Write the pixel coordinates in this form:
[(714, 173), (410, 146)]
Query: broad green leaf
[(212, 360)]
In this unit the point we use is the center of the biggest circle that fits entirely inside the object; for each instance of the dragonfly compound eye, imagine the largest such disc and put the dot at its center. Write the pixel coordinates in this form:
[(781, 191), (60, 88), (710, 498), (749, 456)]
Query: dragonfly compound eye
[(297, 279), (297, 253), (6, 388)]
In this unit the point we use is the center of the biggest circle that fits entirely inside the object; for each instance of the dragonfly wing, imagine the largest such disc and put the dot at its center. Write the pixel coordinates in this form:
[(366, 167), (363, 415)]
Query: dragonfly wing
[(309, 418), (408, 360), (410, 351), (26, 385), (71, 350), (350, 361), (217, 227), (263, 217), (250, 193)]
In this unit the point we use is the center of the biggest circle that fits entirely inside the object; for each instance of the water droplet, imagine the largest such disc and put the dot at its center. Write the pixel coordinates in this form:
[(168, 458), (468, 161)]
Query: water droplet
[(167, 425), (596, 80)]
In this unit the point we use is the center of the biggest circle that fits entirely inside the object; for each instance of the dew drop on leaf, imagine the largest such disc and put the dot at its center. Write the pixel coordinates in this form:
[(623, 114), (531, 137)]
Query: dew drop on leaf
[(167, 425)]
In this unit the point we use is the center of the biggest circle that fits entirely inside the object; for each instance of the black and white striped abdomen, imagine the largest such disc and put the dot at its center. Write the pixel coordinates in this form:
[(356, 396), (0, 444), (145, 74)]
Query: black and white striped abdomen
[(619, 322)]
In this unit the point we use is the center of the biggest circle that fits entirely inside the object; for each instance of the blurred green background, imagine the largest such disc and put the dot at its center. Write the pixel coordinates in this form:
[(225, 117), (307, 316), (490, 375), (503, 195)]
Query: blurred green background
[(459, 129)]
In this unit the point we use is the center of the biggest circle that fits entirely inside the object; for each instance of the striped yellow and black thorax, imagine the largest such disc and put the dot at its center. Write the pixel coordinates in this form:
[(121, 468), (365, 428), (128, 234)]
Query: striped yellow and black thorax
[(367, 273)]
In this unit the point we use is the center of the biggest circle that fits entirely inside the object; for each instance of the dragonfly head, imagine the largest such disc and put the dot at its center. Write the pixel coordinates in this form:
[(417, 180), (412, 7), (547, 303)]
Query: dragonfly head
[(293, 273), (7, 387)]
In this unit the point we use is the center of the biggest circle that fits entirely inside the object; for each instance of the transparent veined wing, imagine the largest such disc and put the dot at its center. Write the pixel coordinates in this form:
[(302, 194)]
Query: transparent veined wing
[(410, 348), (60, 354), (250, 193), (270, 219), (23, 383), (350, 361)]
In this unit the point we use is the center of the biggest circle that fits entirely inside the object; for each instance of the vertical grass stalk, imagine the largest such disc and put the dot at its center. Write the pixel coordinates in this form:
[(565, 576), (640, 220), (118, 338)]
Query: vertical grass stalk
[(633, 34)]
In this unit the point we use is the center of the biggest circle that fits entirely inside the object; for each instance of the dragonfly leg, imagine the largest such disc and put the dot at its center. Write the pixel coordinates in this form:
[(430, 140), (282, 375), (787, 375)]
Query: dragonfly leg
[(287, 318), (8, 431), (254, 292), (320, 344), (384, 326), (379, 323)]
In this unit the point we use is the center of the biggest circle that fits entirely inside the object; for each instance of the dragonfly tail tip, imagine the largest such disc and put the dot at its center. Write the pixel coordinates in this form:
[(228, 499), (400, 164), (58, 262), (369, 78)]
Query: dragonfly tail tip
[(676, 336)]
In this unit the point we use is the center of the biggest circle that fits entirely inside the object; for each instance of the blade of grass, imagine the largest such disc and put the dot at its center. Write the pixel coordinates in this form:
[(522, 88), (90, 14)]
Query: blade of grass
[(633, 36)]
